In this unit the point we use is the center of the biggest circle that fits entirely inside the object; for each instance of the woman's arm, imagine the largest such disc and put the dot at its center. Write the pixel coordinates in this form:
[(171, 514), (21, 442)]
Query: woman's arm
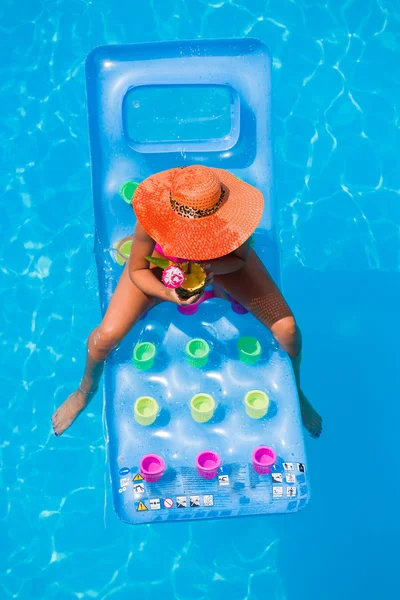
[(229, 263), (139, 268), (142, 275)]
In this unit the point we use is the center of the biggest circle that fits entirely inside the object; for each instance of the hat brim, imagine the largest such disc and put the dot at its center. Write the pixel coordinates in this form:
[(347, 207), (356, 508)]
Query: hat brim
[(198, 239)]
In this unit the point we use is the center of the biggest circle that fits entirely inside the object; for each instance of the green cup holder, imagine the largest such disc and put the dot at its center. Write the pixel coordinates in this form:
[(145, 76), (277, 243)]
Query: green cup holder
[(127, 190), (197, 352), (202, 407), (249, 350), (143, 356), (256, 403), (145, 410), (122, 251)]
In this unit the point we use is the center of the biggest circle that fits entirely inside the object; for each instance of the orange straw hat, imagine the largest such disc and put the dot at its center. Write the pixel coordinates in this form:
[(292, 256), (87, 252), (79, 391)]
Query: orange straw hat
[(197, 212)]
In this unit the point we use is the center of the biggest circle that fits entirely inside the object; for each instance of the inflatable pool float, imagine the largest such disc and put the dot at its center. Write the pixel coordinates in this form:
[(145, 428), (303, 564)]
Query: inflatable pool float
[(201, 407)]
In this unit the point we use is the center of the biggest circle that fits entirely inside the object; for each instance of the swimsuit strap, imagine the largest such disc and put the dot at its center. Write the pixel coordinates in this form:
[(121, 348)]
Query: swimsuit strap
[(175, 259)]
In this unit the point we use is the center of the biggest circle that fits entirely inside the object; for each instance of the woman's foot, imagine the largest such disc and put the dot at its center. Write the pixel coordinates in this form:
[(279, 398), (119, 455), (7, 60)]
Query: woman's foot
[(311, 419), (69, 410)]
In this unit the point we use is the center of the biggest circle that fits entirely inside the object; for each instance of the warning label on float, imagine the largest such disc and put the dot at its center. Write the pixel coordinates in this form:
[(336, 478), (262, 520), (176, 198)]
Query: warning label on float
[(137, 477), (181, 502), (223, 479), (138, 488), (192, 481), (141, 506), (208, 500), (288, 466), (291, 491)]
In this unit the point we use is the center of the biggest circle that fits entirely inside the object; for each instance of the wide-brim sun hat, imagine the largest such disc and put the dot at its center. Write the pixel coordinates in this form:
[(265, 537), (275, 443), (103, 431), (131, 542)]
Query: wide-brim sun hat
[(196, 212)]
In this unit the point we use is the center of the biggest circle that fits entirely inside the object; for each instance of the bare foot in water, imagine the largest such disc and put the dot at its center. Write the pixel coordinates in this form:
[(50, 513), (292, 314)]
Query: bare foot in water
[(311, 419), (69, 410)]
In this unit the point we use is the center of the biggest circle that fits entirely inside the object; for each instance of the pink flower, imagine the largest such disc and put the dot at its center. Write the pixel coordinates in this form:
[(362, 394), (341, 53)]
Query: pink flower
[(173, 277)]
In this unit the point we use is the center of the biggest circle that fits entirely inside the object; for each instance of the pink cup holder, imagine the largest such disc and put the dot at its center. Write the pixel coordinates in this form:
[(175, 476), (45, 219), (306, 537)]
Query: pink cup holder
[(193, 308), (236, 307), (189, 310), (152, 467), (263, 458), (207, 464), (239, 309)]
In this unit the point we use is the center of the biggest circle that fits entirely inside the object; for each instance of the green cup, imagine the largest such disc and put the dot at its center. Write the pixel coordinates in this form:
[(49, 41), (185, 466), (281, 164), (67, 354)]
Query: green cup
[(124, 249), (197, 352), (202, 407), (143, 355), (249, 350), (256, 403), (127, 190), (145, 410)]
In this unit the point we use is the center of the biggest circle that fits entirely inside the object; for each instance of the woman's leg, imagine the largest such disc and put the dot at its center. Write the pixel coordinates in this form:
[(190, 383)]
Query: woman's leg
[(126, 307), (254, 288)]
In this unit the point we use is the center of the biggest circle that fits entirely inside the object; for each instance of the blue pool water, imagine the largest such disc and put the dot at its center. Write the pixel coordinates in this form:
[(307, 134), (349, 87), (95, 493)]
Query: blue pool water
[(336, 92)]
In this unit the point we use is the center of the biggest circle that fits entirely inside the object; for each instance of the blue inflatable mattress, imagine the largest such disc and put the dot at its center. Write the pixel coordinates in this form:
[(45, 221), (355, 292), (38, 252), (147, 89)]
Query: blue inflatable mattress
[(202, 411)]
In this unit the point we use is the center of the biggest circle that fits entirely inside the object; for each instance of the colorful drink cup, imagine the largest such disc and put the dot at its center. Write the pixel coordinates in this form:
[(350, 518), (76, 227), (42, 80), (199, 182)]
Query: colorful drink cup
[(143, 356), (256, 403), (127, 190), (207, 463), (145, 410), (197, 352), (249, 350), (152, 467), (262, 459), (202, 407)]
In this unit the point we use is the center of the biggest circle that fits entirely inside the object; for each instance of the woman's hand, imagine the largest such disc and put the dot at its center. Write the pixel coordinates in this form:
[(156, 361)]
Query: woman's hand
[(172, 296)]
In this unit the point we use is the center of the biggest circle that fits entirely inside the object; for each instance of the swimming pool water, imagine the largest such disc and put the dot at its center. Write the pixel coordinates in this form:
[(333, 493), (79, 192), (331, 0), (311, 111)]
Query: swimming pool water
[(336, 96)]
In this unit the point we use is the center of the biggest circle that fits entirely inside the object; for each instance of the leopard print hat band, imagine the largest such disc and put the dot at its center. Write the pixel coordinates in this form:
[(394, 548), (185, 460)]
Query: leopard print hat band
[(195, 213)]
